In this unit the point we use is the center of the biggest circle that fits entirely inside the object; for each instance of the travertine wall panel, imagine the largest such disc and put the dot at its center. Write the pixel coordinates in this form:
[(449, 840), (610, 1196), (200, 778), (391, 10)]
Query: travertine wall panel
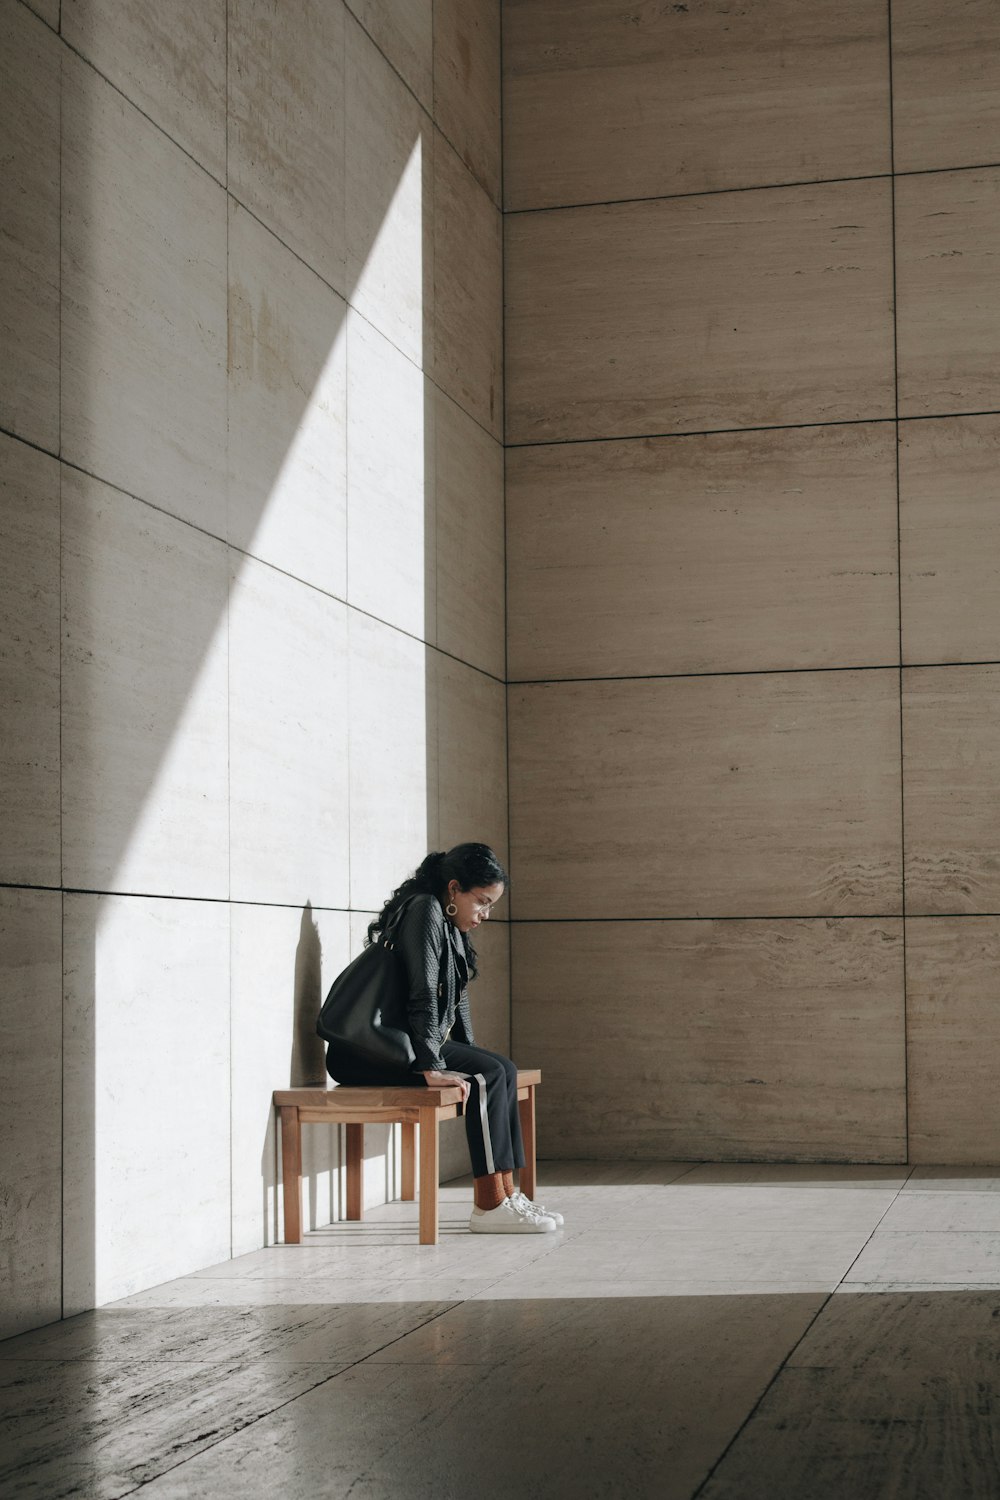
[(953, 1039), (467, 84), (283, 961), (29, 665), (286, 125), (949, 537), (287, 501), (288, 718), (469, 537), (143, 393), (471, 756), (390, 244), (29, 213), (768, 795), (729, 1040), (603, 102), (31, 1138), (631, 558), (489, 996), (170, 61), (951, 759), (468, 291), (945, 84), (146, 1079), (393, 746), (948, 316), (388, 512), (404, 31), (698, 313), (144, 713)]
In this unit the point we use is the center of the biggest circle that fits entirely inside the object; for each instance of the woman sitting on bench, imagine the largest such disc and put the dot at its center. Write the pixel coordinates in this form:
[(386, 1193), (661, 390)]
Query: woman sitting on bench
[(431, 916)]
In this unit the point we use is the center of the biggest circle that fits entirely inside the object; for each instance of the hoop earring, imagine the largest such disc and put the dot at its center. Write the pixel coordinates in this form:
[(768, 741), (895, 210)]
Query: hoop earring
[(451, 910)]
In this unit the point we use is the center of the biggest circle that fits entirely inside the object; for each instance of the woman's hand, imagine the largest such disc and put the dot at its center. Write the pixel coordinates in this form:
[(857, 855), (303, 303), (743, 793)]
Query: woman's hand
[(455, 1078)]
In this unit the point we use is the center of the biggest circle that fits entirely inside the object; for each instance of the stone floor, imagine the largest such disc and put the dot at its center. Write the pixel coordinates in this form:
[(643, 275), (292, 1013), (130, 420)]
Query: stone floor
[(726, 1332)]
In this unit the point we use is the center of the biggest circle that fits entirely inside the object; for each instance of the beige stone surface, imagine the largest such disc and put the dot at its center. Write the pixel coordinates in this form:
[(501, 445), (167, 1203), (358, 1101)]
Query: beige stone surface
[(47, 9), (467, 84), (145, 743), (951, 719), (31, 1137), (389, 202), (288, 731), (731, 310), (468, 291), (469, 512), (771, 1041), (29, 665), (471, 756), (603, 102), (953, 1038), (950, 539), (489, 995), (726, 552), (403, 30), (144, 306), (654, 1391), (961, 1257), (283, 961), (29, 212), (287, 445), (945, 84), (764, 795), (392, 722), (390, 507), (882, 1398), (948, 319), (146, 1093), (286, 125), (171, 62)]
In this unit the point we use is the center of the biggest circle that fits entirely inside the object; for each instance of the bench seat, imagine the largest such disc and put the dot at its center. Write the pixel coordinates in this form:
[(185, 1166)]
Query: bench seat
[(417, 1109)]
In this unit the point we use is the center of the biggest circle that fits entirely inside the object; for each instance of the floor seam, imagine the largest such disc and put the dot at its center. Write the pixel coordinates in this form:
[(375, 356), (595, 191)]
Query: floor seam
[(784, 1365)]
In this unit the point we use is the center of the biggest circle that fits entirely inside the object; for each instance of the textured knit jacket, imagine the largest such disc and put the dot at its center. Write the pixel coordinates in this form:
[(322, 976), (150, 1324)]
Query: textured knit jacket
[(434, 954)]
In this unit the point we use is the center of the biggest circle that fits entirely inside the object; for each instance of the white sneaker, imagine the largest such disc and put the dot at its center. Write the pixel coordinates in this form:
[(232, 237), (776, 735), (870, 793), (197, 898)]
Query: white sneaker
[(509, 1219), (519, 1200)]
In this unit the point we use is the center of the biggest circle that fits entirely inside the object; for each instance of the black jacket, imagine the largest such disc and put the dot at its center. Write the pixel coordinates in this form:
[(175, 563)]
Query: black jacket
[(434, 954)]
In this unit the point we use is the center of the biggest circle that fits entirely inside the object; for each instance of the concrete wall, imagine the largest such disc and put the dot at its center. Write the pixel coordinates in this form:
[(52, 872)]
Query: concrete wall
[(753, 385), (251, 581)]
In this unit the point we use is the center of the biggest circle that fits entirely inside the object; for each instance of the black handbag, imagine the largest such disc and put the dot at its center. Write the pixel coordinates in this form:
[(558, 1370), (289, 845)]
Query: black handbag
[(365, 1010)]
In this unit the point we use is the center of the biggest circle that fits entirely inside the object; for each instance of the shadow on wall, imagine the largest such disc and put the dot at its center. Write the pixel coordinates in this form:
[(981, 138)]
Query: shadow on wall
[(308, 1060), (206, 639)]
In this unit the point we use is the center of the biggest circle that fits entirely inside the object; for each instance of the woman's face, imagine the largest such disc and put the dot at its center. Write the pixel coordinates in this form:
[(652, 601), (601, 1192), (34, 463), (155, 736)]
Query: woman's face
[(473, 906)]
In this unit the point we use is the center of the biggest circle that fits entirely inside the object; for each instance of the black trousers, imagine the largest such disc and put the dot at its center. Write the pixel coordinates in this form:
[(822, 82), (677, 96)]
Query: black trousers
[(492, 1122)]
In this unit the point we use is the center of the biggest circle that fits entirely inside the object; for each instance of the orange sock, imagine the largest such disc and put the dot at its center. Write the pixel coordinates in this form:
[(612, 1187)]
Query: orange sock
[(508, 1183), (488, 1191)]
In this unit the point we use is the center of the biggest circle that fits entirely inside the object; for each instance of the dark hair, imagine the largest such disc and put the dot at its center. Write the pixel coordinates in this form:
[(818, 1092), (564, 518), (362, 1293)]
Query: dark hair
[(469, 864)]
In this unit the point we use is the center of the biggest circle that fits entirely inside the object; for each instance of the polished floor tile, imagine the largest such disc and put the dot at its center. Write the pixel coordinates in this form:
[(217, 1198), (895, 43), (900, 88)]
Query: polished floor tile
[(894, 1397), (719, 1331)]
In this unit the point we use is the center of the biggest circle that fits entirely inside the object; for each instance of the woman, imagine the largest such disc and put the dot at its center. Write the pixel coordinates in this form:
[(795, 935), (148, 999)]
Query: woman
[(430, 917)]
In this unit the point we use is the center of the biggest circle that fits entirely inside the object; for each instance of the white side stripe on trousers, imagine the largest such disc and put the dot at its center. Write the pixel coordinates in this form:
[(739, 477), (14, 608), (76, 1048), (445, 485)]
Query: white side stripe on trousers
[(487, 1141)]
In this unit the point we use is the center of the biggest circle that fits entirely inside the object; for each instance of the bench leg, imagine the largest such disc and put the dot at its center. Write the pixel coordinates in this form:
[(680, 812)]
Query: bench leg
[(429, 1172), (408, 1153), (291, 1173), (528, 1174), (355, 1170)]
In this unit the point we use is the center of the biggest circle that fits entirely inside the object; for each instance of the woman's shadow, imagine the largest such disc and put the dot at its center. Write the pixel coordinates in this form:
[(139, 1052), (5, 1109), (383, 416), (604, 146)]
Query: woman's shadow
[(307, 1064)]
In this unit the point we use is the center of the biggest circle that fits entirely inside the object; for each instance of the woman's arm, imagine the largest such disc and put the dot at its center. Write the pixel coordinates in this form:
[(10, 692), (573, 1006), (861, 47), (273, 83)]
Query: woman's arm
[(419, 941)]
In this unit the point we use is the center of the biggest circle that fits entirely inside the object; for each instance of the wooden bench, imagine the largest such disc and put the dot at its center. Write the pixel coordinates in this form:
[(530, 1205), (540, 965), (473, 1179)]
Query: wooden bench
[(417, 1108)]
